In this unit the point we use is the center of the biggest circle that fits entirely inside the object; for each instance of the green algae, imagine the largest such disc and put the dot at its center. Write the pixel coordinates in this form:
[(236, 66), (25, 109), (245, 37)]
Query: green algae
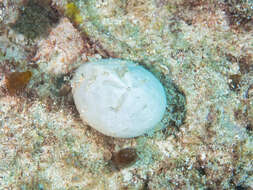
[(73, 13), (35, 20)]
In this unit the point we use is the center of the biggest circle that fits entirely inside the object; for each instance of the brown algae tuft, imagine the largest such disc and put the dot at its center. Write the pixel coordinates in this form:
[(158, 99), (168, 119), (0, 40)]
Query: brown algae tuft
[(16, 81), (125, 157)]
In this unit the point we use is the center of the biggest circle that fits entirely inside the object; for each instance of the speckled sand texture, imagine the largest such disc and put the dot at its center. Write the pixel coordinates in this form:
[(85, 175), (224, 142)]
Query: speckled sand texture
[(202, 53)]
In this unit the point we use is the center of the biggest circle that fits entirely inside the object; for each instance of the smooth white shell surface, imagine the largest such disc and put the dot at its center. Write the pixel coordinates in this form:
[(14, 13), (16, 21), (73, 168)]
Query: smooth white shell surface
[(118, 98)]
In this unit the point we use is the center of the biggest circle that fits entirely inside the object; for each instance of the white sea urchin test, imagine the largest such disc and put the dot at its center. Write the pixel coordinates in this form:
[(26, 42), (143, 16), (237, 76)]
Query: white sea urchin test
[(118, 98)]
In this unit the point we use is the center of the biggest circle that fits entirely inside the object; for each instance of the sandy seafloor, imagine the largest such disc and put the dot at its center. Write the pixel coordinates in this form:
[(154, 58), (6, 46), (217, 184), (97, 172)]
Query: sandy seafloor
[(202, 52)]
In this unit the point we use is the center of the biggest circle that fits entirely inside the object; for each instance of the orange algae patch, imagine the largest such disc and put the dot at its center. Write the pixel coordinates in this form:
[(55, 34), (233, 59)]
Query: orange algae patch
[(16, 81)]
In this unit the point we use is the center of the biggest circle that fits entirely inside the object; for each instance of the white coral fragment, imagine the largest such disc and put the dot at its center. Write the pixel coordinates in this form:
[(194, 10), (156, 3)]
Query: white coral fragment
[(118, 98)]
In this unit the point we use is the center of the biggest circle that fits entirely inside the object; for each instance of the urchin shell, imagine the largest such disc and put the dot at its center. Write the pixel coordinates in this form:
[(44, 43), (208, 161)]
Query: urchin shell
[(118, 98)]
